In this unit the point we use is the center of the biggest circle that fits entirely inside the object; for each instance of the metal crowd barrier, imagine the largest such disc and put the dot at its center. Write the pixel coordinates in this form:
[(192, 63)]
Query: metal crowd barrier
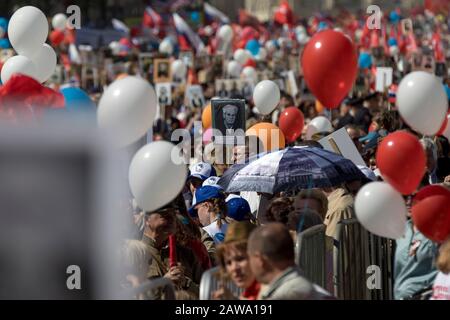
[(210, 283), (310, 254), (356, 249)]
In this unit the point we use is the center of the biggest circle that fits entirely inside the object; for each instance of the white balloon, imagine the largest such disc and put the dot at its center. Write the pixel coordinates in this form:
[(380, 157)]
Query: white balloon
[(18, 64), (208, 31), (59, 22), (270, 46), (178, 69), (249, 73), (393, 50), (166, 47), (446, 132), (262, 54), (266, 96), (302, 38), (28, 30), (225, 33), (127, 109), (45, 62), (115, 47), (155, 179), (241, 56), (422, 102), (300, 29), (381, 210), (234, 69), (318, 124)]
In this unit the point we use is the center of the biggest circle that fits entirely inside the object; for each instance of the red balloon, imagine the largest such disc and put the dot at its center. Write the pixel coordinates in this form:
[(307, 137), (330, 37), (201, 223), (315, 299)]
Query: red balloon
[(432, 217), (56, 37), (431, 190), (329, 63), (444, 125), (250, 63), (291, 123), (401, 160)]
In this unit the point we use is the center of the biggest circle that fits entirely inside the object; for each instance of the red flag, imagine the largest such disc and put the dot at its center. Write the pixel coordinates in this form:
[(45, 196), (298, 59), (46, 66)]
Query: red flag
[(151, 18), (172, 251), (439, 55), (284, 14), (22, 98)]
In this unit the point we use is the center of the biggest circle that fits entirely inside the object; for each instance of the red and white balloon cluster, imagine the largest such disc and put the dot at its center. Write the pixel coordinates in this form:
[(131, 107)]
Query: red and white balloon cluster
[(27, 31), (422, 104)]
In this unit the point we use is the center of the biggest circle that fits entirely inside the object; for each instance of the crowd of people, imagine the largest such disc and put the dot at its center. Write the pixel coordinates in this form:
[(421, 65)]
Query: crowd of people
[(251, 236)]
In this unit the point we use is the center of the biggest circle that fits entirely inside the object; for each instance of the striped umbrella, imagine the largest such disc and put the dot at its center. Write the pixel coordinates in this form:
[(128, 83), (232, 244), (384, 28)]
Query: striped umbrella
[(291, 169)]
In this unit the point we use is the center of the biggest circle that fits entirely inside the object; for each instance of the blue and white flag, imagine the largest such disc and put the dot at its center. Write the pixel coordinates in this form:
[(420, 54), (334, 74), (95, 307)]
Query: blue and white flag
[(213, 12), (183, 29), (120, 26)]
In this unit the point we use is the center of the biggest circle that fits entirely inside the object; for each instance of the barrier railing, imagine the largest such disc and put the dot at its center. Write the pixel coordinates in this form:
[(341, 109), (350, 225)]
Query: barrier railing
[(210, 282), (355, 250), (310, 254)]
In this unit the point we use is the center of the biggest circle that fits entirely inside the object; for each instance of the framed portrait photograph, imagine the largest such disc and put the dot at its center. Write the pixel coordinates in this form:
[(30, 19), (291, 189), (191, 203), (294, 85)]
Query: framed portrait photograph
[(228, 117), (194, 96), (221, 88), (161, 70), (146, 65), (164, 93)]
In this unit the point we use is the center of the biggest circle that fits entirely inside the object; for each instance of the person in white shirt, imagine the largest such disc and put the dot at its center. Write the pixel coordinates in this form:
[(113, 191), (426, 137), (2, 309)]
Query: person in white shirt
[(441, 286)]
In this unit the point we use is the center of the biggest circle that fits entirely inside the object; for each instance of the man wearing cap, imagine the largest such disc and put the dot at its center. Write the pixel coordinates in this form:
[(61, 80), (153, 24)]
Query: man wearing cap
[(199, 172), (186, 275)]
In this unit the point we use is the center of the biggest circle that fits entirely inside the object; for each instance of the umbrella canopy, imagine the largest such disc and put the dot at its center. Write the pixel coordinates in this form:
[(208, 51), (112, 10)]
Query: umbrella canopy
[(291, 169)]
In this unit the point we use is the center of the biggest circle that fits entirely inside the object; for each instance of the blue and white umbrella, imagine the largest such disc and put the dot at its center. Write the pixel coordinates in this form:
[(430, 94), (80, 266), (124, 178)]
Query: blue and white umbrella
[(291, 169)]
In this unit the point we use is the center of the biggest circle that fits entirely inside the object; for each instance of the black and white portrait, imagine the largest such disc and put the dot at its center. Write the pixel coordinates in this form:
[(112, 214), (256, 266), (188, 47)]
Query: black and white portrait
[(164, 94), (228, 117), (187, 57), (194, 96)]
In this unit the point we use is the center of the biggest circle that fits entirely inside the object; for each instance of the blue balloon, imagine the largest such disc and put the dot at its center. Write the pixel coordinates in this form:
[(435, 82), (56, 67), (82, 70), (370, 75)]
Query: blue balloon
[(322, 25), (76, 100), (195, 16), (364, 60), (394, 17), (4, 24), (5, 44), (392, 42), (253, 46)]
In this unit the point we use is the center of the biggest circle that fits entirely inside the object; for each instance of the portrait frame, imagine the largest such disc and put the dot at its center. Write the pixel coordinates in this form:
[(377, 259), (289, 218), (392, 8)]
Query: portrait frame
[(146, 64), (193, 91), (228, 135), (161, 70)]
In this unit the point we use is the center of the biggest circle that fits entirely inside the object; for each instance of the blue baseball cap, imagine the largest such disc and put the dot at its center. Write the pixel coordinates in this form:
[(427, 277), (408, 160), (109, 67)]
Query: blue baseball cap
[(238, 209), (202, 171), (204, 194), (213, 182)]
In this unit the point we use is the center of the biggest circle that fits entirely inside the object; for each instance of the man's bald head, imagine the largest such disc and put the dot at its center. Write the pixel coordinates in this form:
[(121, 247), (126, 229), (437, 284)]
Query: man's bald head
[(274, 241)]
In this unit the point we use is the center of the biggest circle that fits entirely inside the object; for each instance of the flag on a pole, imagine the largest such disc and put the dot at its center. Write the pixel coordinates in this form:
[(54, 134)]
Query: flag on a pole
[(120, 26), (214, 13), (151, 18), (185, 31)]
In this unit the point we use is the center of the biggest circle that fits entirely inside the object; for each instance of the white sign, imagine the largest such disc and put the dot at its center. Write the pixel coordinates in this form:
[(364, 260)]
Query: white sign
[(340, 142), (384, 78)]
